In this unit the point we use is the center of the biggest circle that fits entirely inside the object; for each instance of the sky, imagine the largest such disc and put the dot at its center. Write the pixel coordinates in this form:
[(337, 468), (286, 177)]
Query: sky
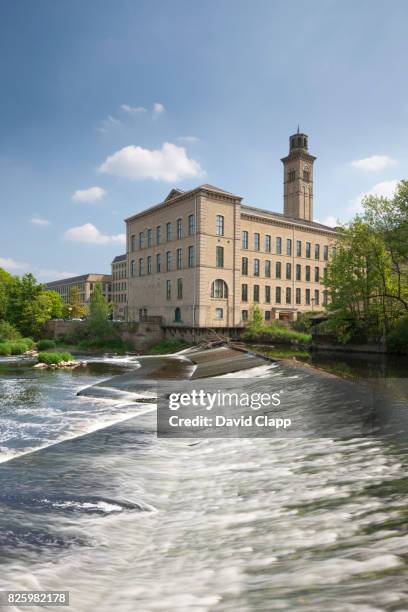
[(106, 106)]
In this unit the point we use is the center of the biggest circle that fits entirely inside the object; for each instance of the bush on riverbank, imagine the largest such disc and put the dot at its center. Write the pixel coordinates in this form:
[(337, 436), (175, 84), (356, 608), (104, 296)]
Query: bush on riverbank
[(259, 331), (54, 358), (8, 332), (43, 345), (164, 347), (18, 347), (304, 321), (397, 339)]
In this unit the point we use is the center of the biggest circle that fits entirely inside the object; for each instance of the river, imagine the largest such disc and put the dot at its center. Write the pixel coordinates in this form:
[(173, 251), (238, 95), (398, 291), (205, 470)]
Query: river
[(94, 503)]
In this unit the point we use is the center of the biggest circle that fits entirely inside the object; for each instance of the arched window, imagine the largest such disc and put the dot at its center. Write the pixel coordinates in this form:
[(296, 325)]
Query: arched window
[(177, 315), (219, 289)]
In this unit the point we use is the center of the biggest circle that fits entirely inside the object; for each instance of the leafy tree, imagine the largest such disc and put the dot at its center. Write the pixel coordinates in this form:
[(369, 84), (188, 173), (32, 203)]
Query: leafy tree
[(39, 310), (75, 308), (99, 326), (6, 282)]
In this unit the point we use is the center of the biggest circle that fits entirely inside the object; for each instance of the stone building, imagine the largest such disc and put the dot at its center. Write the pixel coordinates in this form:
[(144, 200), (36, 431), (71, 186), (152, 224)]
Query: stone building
[(119, 287), (203, 258), (84, 283)]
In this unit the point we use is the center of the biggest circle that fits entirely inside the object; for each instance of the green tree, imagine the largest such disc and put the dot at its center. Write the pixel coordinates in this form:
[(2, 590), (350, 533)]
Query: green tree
[(6, 282), (75, 308), (44, 306), (99, 326)]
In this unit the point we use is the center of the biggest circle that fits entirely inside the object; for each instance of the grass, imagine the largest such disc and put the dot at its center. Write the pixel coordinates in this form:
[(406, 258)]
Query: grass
[(54, 358), (43, 345), (17, 347), (276, 332), (164, 347)]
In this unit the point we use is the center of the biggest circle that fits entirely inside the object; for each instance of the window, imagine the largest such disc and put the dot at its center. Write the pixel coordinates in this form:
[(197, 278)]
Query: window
[(219, 313), (306, 175), (288, 271), (298, 272), (177, 315), (256, 267), (278, 246), (278, 269), (168, 290), (288, 295), (298, 248), (191, 225), (256, 242), (179, 288), (179, 257), (179, 228), (307, 273), (149, 237), (325, 274), (292, 173), (149, 264), (169, 231), (256, 293), (132, 267), (267, 315), (307, 297), (219, 289), (245, 266), (244, 315), (325, 252), (325, 297), (158, 262), (219, 257), (316, 297), (141, 266), (244, 292), (168, 261), (317, 275), (334, 251), (244, 240), (191, 257), (288, 246), (267, 268), (158, 234), (298, 296), (308, 247), (278, 293), (267, 295), (219, 225), (141, 240), (268, 244), (317, 251), (132, 242)]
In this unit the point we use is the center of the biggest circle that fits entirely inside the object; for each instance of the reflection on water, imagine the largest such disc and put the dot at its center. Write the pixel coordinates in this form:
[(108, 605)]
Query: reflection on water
[(226, 525)]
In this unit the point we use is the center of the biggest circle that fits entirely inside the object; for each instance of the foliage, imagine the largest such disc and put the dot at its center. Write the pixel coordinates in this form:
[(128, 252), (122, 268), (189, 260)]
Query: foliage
[(17, 347), (397, 338), (304, 321), (99, 326), (8, 332), (74, 309), (54, 358), (275, 332), (44, 306), (6, 282), (43, 345), (165, 347)]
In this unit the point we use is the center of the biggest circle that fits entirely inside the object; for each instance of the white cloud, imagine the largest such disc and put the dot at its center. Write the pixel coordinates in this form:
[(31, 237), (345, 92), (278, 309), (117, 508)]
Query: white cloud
[(92, 194), (158, 108), (385, 189), (11, 264), (39, 221), (330, 221), (374, 163), (90, 234), (108, 123), (132, 110), (170, 163), (188, 139)]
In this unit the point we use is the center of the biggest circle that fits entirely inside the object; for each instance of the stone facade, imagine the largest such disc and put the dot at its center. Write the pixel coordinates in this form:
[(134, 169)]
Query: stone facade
[(119, 287), (202, 258), (85, 285)]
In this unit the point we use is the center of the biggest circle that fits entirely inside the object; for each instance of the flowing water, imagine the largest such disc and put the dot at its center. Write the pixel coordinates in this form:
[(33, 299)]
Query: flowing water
[(127, 521)]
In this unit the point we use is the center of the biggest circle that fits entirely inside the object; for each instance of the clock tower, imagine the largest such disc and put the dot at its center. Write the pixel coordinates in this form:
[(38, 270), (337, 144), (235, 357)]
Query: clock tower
[(298, 179)]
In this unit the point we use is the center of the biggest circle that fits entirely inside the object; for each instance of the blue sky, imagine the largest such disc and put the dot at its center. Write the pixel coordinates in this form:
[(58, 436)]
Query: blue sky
[(91, 92)]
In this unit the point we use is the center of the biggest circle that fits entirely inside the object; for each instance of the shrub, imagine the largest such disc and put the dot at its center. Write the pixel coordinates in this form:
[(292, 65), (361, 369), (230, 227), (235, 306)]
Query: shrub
[(14, 348), (54, 358), (8, 332), (43, 345), (397, 339), (29, 342), (304, 321), (5, 349), (277, 332)]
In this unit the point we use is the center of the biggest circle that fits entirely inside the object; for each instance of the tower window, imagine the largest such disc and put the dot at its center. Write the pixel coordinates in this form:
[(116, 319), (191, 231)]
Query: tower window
[(292, 175), (306, 175)]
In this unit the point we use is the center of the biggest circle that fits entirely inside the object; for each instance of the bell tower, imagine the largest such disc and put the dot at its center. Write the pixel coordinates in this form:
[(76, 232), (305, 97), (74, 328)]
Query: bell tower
[(298, 178)]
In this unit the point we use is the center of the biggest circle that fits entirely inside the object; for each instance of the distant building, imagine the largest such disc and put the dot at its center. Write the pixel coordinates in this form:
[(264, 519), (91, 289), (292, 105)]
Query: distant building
[(202, 258), (85, 284), (119, 287)]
